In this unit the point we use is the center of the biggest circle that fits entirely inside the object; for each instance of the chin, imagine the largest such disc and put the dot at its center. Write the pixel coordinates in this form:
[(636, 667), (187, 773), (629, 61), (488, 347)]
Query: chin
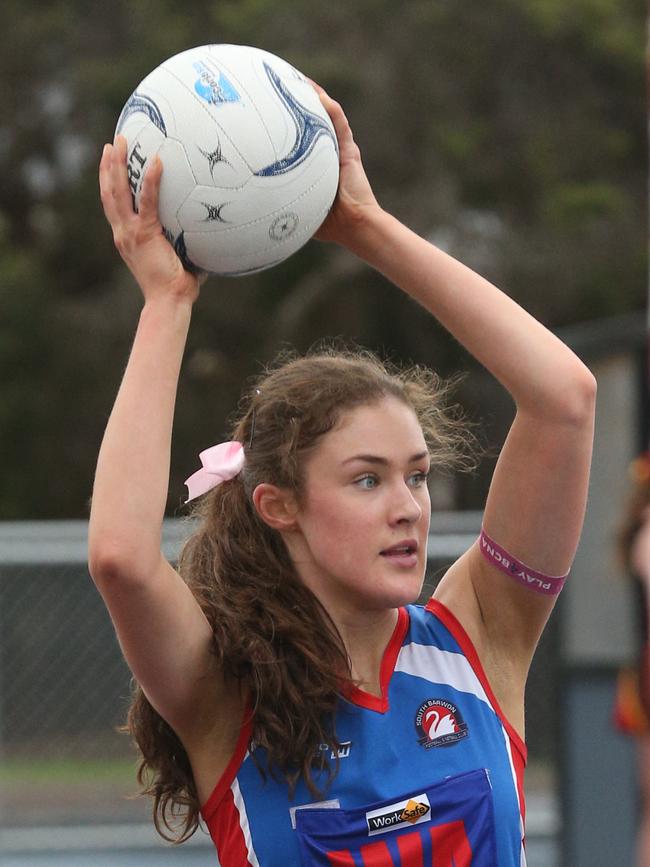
[(407, 593)]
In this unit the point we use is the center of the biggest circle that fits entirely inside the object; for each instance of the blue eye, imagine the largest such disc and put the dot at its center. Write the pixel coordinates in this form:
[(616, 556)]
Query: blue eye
[(417, 480), (367, 482)]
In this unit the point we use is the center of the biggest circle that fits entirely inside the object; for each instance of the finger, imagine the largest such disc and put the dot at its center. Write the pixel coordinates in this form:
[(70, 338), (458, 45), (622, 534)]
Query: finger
[(316, 86), (106, 184), (336, 113), (340, 122), (122, 193), (150, 191)]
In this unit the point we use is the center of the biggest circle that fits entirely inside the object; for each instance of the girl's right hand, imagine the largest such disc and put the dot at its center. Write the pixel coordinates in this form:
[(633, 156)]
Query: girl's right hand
[(355, 201), (139, 236)]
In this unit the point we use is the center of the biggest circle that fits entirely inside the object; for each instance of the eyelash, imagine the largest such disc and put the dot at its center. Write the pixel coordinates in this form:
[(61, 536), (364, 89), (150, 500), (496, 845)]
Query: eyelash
[(420, 476)]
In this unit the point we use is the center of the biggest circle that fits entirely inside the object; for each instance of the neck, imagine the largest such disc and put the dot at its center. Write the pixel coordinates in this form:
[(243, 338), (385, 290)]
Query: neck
[(365, 639)]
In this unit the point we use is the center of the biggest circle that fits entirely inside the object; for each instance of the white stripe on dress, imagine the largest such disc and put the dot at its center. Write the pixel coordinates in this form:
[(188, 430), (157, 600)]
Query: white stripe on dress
[(423, 660), (243, 823)]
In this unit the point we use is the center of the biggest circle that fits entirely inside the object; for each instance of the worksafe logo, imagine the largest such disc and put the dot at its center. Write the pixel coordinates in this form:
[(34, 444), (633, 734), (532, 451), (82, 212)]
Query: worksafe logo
[(400, 815)]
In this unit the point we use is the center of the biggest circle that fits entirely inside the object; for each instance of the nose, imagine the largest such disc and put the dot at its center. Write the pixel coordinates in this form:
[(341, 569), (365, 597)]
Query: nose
[(405, 508)]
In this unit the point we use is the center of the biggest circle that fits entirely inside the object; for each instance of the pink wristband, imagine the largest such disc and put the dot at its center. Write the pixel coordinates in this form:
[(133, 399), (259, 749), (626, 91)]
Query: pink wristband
[(499, 557)]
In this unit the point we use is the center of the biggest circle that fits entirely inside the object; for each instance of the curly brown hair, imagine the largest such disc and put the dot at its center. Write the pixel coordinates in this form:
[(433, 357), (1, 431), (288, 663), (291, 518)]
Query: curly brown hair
[(271, 633)]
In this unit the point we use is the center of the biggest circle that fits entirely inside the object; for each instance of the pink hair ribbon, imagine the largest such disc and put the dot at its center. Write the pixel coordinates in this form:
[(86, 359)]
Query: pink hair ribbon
[(220, 463)]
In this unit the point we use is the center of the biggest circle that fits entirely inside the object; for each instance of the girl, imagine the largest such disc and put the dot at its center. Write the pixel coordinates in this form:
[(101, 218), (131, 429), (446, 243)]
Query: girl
[(290, 692)]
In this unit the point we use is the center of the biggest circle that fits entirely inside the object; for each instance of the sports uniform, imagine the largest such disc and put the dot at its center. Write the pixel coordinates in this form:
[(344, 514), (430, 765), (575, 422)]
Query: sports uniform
[(430, 773)]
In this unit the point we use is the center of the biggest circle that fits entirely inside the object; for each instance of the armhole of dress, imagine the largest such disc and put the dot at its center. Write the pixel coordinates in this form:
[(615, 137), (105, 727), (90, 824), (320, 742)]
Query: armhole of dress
[(232, 768), (458, 632)]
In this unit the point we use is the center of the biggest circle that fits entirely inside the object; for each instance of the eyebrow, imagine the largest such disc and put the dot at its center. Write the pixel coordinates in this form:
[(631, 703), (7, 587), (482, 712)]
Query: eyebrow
[(376, 459)]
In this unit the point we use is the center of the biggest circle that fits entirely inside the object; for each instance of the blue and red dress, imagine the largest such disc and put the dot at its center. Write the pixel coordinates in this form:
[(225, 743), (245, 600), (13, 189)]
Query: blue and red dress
[(430, 773)]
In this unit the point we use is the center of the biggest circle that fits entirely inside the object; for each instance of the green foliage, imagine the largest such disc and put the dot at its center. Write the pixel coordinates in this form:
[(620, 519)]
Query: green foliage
[(610, 27), (513, 128), (574, 206)]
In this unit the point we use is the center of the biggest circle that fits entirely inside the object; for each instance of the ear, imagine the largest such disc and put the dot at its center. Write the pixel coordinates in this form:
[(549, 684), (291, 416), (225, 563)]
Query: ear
[(276, 507)]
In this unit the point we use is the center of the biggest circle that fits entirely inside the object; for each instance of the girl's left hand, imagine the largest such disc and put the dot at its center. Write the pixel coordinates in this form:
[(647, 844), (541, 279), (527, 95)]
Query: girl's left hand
[(355, 200), (138, 235)]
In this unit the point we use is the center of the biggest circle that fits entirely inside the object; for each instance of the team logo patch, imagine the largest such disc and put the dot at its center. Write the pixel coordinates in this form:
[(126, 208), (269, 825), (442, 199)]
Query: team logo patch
[(400, 815), (439, 723)]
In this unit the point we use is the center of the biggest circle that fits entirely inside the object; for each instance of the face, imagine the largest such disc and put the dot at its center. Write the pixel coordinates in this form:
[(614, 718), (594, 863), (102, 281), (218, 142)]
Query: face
[(364, 516)]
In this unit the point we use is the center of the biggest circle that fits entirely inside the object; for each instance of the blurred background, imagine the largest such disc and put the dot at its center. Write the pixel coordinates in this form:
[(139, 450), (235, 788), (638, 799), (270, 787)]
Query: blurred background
[(512, 133)]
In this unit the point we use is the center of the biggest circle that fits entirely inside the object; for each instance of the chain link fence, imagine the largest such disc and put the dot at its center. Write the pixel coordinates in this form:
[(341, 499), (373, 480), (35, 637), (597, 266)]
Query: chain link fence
[(63, 684), (64, 687)]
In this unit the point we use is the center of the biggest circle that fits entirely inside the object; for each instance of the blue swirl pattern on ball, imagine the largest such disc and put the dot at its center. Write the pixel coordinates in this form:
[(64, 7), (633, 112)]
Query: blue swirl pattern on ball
[(139, 102), (309, 128)]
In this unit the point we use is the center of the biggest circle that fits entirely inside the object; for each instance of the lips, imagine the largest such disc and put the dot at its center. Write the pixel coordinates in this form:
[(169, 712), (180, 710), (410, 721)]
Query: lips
[(406, 548)]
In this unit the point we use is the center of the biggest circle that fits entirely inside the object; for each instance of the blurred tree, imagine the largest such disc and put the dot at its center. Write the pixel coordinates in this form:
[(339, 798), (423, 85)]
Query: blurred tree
[(511, 132)]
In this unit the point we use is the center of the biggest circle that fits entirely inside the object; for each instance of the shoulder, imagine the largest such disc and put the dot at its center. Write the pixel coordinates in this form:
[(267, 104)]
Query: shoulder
[(434, 623)]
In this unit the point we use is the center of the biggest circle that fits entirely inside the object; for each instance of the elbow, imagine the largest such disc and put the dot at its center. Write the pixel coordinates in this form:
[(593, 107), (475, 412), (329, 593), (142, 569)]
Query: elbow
[(585, 399), (111, 564), (569, 400), (580, 398), (106, 564)]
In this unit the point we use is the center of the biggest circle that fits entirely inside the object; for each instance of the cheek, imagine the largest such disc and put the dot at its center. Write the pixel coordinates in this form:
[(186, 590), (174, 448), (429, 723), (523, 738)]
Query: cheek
[(338, 530), (426, 510)]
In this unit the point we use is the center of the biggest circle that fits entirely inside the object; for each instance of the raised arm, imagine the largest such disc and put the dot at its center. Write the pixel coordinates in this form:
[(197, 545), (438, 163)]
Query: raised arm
[(537, 497), (161, 628)]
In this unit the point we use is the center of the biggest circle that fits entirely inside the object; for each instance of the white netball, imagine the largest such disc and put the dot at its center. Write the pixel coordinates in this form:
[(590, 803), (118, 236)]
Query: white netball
[(250, 157)]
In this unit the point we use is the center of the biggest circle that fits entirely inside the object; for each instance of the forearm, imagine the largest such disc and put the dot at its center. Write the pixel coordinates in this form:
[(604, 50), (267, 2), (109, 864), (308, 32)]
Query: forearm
[(132, 476), (540, 372)]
